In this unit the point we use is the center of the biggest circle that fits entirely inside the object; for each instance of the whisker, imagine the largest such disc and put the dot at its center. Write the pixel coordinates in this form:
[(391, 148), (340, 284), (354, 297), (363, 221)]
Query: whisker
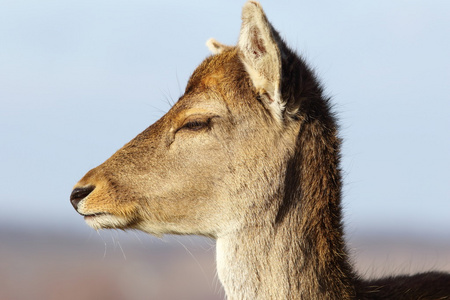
[(121, 249), (198, 264), (104, 242)]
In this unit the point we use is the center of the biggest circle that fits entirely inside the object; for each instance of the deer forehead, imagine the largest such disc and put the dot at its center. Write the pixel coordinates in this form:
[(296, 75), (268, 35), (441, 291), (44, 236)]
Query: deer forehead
[(215, 87)]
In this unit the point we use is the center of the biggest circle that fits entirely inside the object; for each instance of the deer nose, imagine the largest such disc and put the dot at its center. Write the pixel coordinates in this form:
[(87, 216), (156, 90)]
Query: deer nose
[(79, 194)]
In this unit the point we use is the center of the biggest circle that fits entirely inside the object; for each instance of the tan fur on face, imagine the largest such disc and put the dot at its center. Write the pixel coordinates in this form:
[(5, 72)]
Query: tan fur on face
[(146, 182)]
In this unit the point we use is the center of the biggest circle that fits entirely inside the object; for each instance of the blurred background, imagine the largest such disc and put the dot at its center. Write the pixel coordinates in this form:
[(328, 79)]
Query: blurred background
[(79, 79)]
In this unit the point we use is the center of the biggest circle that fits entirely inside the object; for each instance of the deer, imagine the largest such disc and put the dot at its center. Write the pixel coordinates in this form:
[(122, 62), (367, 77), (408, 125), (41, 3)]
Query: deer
[(250, 156)]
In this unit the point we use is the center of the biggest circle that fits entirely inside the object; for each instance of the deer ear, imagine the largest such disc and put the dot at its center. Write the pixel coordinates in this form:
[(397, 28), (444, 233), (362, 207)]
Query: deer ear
[(215, 47), (260, 53)]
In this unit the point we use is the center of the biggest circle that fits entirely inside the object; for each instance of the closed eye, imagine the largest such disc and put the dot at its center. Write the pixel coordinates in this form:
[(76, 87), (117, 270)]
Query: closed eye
[(197, 122), (196, 125)]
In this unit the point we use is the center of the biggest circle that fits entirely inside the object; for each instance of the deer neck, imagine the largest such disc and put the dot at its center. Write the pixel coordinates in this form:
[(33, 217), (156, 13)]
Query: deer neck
[(298, 251)]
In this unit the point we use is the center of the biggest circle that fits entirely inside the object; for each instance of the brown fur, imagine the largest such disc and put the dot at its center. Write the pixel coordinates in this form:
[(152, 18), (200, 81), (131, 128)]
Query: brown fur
[(249, 155)]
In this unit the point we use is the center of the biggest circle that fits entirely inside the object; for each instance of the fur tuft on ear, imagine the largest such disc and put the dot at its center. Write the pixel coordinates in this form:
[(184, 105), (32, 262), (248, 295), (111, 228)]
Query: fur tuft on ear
[(260, 54), (215, 47)]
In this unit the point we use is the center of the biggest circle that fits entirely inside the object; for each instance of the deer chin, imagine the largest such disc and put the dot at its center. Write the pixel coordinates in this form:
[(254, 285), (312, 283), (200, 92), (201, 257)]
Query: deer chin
[(105, 220)]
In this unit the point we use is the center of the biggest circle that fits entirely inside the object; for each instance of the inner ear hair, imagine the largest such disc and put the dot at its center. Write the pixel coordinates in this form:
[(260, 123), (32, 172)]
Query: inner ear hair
[(260, 53)]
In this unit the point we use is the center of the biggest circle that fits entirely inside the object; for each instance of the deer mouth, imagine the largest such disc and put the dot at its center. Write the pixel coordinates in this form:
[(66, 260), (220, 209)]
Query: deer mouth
[(104, 220), (94, 215)]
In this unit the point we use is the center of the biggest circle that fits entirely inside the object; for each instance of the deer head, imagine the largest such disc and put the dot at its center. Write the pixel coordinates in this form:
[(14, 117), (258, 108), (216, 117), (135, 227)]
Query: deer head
[(217, 160)]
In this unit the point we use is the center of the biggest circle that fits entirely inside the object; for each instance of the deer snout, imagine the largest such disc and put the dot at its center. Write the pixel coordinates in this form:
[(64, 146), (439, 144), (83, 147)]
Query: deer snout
[(79, 194)]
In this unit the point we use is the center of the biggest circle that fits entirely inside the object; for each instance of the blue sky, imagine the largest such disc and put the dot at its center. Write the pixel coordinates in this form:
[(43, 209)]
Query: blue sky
[(78, 79)]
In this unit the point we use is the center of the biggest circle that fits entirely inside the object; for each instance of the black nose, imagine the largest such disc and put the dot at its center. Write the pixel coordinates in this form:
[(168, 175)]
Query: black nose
[(79, 194)]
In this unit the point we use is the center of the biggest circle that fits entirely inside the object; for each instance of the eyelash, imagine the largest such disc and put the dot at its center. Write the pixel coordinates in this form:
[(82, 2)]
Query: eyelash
[(195, 125)]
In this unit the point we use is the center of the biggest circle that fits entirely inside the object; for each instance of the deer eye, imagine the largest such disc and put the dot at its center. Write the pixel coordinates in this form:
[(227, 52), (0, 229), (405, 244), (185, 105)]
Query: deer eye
[(196, 125)]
